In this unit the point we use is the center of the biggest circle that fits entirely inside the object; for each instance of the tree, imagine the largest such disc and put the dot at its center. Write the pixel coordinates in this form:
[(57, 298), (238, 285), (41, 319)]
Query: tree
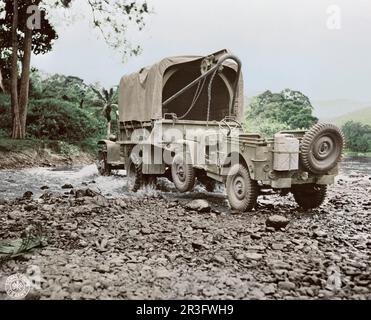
[(19, 38), (270, 112), (21, 35), (107, 98), (357, 136)]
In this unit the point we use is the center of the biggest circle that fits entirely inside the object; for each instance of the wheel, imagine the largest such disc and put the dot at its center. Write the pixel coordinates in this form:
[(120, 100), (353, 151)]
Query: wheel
[(133, 175), (242, 191), (103, 167), (321, 148), (183, 174), (309, 196)]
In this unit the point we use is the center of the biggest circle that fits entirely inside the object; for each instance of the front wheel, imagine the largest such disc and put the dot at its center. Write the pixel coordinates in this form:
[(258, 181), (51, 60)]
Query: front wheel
[(183, 173), (242, 191), (309, 196)]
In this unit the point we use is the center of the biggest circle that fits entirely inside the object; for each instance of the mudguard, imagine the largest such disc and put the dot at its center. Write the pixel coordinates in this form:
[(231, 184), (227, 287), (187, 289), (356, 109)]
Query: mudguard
[(112, 149)]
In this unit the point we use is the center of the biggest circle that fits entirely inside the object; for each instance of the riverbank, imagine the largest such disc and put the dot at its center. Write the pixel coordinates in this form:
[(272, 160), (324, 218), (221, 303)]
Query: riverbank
[(153, 246), (27, 153)]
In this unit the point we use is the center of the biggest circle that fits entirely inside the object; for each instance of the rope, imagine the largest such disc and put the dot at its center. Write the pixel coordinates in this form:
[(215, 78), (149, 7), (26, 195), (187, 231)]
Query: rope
[(209, 95), (195, 97)]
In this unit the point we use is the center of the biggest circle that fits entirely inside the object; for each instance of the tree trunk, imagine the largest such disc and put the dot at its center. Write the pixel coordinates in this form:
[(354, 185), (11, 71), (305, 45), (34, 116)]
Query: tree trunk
[(108, 129), (17, 130), (25, 80)]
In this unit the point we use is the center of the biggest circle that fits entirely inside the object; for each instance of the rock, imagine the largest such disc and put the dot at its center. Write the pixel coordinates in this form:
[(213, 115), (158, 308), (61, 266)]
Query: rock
[(199, 205), (146, 231), (219, 259), (199, 245), (44, 187), (277, 222), (286, 285), (162, 273), (278, 246), (319, 234), (255, 236), (87, 289), (253, 256), (12, 216), (269, 289), (30, 207), (67, 186), (27, 195)]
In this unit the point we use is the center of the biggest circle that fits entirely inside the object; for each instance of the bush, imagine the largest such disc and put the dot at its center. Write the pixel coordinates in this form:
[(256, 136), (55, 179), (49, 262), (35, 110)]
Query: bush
[(357, 136), (5, 116), (55, 119)]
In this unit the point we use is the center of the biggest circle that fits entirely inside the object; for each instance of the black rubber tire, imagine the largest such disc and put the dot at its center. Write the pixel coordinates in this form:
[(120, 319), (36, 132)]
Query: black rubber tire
[(321, 148), (309, 196), (242, 191), (103, 167), (133, 174), (183, 174)]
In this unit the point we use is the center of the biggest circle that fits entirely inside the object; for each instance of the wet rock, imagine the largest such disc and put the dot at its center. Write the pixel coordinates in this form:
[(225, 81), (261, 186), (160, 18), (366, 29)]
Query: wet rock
[(67, 186), (44, 187), (27, 195), (30, 207), (199, 205), (277, 222)]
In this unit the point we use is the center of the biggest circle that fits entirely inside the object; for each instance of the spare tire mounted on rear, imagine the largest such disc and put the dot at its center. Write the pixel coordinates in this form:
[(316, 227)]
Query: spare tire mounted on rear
[(321, 148)]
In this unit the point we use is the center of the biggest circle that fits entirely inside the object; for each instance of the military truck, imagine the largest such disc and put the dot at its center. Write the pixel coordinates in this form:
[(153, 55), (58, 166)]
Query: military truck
[(182, 119)]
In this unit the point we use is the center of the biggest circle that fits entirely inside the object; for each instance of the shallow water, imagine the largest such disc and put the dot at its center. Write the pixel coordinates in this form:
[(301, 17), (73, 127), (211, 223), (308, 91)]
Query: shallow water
[(15, 182)]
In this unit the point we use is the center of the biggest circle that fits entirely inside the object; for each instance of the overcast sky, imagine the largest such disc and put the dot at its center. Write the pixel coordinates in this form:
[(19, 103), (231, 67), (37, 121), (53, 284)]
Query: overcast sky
[(294, 44)]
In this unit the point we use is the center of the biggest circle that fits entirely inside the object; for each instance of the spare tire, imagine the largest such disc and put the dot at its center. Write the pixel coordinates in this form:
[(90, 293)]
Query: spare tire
[(321, 148)]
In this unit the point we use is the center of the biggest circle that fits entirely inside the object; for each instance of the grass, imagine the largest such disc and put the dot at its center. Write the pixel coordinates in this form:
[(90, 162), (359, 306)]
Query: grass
[(357, 154)]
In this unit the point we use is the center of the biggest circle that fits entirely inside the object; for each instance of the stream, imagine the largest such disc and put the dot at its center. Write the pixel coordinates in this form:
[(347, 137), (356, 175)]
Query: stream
[(15, 182)]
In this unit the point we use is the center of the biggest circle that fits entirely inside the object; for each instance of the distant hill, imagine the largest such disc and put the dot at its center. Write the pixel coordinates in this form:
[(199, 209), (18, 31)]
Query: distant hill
[(330, 109), (363, 116)]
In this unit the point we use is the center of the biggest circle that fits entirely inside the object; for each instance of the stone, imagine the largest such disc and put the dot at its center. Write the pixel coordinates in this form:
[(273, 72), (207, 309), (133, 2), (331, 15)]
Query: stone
[(277, 222), (219, 259), (163, 273), (44, 187), (199, 205), (67, 186), (286, 285), (28, 195), (253, 256)]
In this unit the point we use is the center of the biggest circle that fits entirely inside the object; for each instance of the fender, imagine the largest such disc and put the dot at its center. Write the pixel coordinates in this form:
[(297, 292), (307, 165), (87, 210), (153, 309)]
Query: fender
[(237, 156), (112, 149)]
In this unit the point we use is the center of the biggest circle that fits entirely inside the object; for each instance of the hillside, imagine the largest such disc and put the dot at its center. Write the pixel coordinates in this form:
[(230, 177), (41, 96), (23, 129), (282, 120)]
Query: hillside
[(330, 109), (363, 116)]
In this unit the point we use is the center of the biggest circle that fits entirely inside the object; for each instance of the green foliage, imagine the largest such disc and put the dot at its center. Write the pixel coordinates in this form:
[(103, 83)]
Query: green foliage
[(5, 115), (357, 136), (60, 120), (270, 112)]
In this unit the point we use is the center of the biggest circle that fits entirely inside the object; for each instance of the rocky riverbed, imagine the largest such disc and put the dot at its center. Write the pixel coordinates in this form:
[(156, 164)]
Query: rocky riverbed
[(157, 245)]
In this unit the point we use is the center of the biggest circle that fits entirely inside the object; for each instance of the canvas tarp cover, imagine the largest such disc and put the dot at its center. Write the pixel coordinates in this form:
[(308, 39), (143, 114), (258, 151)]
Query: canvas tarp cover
[(141, 93)]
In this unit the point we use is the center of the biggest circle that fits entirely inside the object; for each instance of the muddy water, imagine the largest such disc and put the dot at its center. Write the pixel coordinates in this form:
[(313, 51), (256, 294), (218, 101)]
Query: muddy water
[(13, 183)]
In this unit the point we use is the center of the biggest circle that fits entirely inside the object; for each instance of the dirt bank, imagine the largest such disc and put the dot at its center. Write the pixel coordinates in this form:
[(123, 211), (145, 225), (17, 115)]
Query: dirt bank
[(39, 155), (153, 247)]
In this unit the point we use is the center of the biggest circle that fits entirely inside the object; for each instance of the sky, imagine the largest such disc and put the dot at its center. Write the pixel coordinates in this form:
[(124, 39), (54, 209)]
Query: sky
[(319, 47)]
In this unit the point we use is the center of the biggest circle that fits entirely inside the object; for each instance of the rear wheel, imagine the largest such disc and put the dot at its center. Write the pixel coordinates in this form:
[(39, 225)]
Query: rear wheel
[(183, 174), (309, 196), (242, 191), (103, 167)]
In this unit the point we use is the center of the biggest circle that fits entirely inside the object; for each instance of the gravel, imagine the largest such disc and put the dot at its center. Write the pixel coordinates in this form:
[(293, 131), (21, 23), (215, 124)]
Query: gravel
[(160, 247)]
